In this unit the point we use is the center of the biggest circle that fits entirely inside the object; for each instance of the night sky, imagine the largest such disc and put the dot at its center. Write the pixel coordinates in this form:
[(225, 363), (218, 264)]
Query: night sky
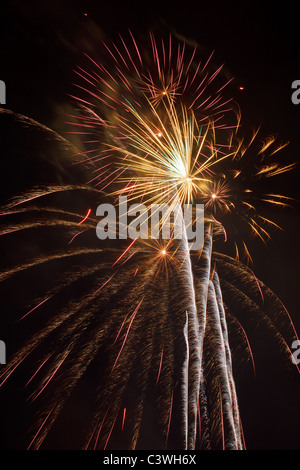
[(40, 45)]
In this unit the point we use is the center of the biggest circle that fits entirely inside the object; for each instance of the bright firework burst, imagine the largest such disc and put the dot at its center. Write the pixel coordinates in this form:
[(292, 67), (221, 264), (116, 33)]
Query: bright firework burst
[(145, 324)]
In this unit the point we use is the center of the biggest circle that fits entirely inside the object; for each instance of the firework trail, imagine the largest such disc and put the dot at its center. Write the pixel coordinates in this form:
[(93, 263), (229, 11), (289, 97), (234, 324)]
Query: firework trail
[(143, 325)]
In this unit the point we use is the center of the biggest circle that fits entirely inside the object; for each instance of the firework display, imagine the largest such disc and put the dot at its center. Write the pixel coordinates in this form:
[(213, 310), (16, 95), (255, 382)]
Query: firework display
[(130, 341)]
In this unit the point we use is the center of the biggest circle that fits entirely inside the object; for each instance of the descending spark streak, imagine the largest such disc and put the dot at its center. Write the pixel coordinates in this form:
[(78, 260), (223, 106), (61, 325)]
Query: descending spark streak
[(185, 384), (145, 359), (40, 428), (222, 419), (170, 417), (249, 347), (76, 235), (84, 219), (201, 288), (46, 259), (160, 365), (127, 332), (99, 431), (37, 306), (11, 368), (124, 252), (123, 418), (193, 334), (104, 284), (40, 366), (233, 440), (108, 437), (52, 375), (223, 326), (191, 331)]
